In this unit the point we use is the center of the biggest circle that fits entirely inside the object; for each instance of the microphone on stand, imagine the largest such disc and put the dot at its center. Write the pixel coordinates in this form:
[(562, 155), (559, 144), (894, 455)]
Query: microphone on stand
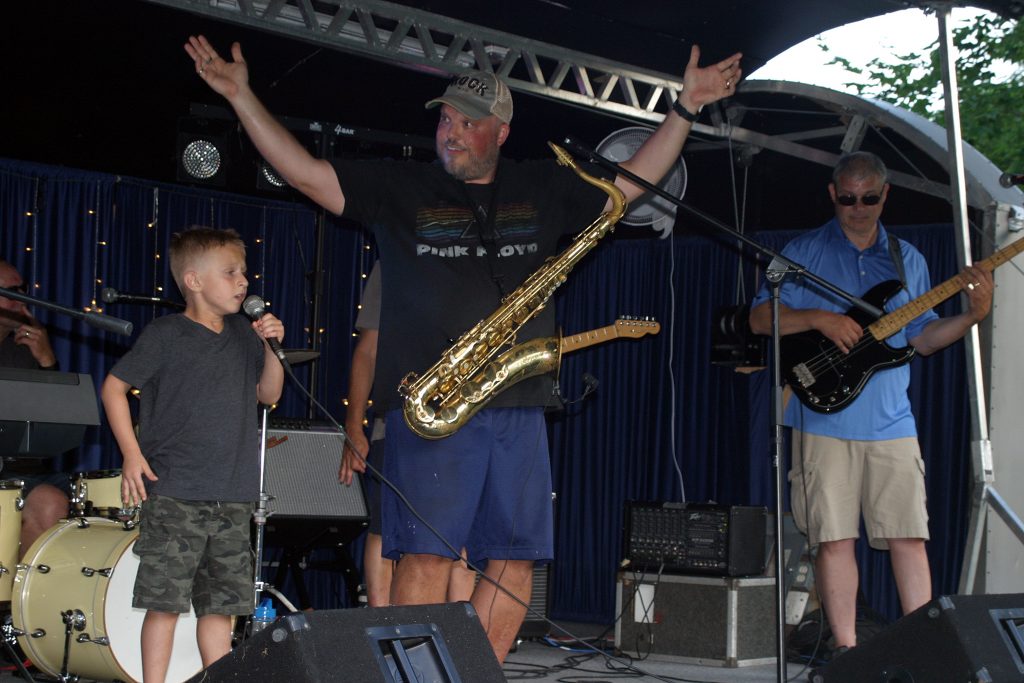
[(581, 150), (256, 308), (1011, 179), (109, 295)]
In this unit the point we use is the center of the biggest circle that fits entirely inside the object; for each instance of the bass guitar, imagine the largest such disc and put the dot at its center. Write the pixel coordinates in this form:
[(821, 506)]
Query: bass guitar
[(827, 380)]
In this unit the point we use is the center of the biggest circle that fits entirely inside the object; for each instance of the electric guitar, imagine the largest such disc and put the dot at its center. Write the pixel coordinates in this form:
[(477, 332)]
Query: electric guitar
[(827, 380), (626, 328)]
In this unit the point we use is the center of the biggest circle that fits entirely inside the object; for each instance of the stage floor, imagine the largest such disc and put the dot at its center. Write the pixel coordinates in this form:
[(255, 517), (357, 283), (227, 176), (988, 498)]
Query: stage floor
[(539, 660), (536, 660)]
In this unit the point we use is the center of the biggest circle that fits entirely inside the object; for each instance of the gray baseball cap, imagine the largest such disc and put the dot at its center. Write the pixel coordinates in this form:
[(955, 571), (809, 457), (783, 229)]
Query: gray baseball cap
[(477, 94)]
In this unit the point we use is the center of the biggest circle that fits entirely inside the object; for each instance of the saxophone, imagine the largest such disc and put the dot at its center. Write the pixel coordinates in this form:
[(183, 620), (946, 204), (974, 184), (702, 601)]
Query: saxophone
[(470, 372)]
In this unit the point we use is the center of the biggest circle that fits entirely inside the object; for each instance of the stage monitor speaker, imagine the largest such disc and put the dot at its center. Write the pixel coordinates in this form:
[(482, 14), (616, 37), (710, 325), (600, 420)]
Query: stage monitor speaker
[(302, 477), (952, 639), (436, 643)]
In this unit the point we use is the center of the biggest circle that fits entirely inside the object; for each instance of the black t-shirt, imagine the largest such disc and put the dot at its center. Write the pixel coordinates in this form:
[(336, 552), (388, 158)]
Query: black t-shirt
[(198, 412), (437, 277)]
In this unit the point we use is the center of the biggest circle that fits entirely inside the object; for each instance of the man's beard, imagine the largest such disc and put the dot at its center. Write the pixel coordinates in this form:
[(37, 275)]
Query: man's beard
[(473, 167)]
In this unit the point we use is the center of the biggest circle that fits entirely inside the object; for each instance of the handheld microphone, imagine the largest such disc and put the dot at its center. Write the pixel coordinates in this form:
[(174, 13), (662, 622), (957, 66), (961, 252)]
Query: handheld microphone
[(109, 295), (1011, 179), (256, 308)]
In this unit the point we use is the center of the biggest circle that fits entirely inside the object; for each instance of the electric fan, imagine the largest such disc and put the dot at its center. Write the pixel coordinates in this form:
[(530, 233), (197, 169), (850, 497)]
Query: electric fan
[(649, 208)]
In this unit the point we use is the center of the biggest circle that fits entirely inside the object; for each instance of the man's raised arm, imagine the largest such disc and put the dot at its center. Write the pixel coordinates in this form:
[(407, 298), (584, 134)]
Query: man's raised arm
[(311, 176)]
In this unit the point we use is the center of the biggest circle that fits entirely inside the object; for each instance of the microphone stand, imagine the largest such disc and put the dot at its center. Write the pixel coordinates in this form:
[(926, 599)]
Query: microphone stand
[(259, 515), (779, 268), (105, 322)]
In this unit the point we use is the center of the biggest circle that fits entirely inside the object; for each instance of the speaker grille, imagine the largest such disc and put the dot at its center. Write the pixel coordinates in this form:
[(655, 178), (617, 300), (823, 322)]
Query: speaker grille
[(302, 477)]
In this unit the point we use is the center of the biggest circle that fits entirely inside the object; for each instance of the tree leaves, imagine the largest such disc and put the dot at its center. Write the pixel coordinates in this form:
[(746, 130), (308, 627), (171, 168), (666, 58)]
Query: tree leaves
[(990, 105)]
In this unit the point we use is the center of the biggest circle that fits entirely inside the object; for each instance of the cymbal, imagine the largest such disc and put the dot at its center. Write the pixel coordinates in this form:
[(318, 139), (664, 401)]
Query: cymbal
[(296, 356)]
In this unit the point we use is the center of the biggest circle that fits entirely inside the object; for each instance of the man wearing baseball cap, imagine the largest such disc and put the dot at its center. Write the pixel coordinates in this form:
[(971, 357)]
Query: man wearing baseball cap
[(454, 239)]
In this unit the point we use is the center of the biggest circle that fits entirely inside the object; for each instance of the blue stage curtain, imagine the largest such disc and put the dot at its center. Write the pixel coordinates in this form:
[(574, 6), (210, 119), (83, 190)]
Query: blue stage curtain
[(664, 423), (72, 233)]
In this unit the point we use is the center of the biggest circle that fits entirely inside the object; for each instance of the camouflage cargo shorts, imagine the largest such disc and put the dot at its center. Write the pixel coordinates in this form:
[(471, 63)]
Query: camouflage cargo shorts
[(194, 552)]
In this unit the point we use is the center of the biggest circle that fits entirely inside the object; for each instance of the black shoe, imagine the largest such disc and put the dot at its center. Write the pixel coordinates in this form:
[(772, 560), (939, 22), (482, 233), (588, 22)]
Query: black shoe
[(841, 650)]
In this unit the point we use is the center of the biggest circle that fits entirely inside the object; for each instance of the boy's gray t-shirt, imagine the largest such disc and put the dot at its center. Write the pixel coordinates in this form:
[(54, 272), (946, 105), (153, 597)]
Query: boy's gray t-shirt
[(198, 417)]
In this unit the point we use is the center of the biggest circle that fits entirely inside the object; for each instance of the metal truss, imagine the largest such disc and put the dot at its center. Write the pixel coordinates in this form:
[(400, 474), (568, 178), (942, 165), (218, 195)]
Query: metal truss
[(425, 41)]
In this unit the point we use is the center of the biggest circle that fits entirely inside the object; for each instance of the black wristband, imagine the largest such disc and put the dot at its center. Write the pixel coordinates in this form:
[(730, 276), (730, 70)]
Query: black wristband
[(684, 113)]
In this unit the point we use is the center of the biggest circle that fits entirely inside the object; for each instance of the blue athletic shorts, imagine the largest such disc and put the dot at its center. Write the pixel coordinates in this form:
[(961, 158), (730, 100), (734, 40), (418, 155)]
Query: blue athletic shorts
[(486, 488)]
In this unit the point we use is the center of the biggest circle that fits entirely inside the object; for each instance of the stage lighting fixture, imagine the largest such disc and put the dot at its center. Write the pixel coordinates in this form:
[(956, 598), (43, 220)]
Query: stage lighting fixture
[(268, 178), (201, 159), (202, 151)]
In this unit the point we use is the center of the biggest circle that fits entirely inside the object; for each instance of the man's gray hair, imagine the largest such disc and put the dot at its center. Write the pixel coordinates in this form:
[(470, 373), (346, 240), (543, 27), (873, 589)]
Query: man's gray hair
[(860, 165)]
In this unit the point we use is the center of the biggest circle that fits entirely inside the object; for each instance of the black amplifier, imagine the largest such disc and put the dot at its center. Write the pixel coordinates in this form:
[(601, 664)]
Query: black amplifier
[(695, 538)]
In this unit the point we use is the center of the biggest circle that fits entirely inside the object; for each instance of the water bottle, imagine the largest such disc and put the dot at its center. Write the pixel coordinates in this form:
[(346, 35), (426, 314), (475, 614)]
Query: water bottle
[(263, 616)]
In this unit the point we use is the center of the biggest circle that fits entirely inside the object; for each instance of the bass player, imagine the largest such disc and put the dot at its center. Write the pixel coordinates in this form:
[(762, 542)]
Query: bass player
[(864, 459)]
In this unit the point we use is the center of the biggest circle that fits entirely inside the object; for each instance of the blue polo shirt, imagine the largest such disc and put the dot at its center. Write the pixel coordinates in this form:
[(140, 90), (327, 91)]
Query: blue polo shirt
[(882, 410)]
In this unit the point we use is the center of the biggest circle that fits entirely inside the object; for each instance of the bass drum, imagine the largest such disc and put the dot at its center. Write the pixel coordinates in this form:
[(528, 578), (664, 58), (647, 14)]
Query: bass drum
[(86, 566)]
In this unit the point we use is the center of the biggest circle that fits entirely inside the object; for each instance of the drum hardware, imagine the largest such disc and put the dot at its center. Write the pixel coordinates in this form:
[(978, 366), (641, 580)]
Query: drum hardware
[(8, 639), (82, 522), (89, 571), (74, 620)]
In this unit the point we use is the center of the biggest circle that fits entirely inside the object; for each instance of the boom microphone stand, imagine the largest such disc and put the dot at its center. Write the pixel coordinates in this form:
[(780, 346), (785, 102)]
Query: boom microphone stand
[(779, 268), (106, 322)]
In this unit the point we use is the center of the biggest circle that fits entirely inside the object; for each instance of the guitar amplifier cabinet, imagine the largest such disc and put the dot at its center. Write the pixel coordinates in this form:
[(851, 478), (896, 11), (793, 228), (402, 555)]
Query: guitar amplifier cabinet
[(302, 477), (695, 538)]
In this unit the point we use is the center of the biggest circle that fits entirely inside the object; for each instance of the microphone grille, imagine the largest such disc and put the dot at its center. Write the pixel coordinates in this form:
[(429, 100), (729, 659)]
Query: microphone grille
[(108, 295), (254, 306), (1006, 180)]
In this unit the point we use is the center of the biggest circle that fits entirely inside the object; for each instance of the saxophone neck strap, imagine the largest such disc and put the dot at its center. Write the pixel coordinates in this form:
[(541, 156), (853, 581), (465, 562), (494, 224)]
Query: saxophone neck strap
[(485, 227)]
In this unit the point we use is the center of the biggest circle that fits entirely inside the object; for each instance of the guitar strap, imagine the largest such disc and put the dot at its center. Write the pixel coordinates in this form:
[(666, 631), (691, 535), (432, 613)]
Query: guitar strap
[(896, 254)]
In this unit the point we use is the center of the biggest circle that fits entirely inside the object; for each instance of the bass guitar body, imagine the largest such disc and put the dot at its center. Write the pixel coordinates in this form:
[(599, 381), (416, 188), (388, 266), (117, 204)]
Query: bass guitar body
[(827, 380)]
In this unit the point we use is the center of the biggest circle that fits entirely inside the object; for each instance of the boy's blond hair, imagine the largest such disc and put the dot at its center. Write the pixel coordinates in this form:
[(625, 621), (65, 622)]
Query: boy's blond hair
[(190, 244)]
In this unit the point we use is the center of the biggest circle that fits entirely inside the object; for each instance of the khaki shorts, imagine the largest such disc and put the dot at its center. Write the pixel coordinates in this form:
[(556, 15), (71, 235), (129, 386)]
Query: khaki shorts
[(194, 553), (883, 480)]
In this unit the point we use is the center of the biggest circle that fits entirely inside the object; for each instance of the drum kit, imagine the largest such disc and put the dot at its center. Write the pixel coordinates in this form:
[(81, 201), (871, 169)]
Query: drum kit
[(71, 595)]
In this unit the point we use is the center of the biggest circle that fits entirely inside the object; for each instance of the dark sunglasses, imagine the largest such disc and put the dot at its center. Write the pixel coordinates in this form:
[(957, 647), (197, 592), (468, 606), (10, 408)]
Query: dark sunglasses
[(866, 200)]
